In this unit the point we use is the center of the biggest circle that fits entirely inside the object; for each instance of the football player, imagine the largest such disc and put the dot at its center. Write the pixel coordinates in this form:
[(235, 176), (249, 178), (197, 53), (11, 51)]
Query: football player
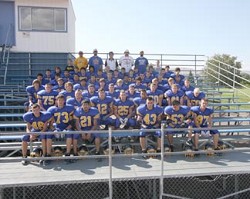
[(149, 117), (47, 97), (156, 94), (203, 119), (32, 92), (37, 121), (177, 117), (194, 97), (174, 94), (76, 102), (105, 106), (86, 120), (123, 110), (63, 114)]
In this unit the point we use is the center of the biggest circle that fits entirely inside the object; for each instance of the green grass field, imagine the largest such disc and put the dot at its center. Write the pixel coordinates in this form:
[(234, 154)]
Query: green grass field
[(240, 93)]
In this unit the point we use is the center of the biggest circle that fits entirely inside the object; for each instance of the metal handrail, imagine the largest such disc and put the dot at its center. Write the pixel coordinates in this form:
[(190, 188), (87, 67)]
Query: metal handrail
[(187, 62), (231, 72), (225, 64), (6, 65), (219, 74)]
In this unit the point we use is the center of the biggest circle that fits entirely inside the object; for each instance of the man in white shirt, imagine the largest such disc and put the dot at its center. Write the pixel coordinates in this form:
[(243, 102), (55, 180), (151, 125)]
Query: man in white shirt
[(126, 61), (111, 63)]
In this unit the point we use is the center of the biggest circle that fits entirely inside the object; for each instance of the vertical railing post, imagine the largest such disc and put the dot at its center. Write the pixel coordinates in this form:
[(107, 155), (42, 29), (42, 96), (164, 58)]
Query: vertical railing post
[(219, 75), (195, 66), (161, 61), (110, 164), (234, 79), (162, 161), (30, 70)]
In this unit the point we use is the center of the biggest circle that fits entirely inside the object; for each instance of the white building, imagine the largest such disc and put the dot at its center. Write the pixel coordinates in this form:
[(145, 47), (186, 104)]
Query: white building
[(37, 26)]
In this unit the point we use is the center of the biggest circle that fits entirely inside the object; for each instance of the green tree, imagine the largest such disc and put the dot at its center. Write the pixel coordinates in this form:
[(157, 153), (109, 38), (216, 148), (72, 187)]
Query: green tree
[(191, 77), (223, 67)]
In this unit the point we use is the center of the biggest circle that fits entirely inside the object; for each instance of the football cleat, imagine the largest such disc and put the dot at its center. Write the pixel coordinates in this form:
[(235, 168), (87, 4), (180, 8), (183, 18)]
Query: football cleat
[(58, 151), (83, 150), (150, 150), (37, 152), (106, 150), (128, 150), (209, 149)]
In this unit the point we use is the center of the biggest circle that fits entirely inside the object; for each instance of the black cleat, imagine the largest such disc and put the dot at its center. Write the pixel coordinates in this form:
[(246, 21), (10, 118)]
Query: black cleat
[(217, 153), (144, 152), (196, 154), (98, 159), (171, 147), (67, 161)]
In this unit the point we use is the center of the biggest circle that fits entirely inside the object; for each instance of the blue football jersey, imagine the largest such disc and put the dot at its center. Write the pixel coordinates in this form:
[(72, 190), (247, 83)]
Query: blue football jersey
[(86, 119), (195, 100), (174, 96), (37, 123), (149, 117), (202, 116), (73, 102), (88, 95), (139, 101), (123, 107), (132, 96), (32, 92), (67, 95), (177, 117), (48, 99), (103, 105), (62, 116), (155, 95)]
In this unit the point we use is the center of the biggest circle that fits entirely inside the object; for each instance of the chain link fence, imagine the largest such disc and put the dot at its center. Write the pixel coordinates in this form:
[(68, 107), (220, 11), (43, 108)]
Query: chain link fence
[(206, 187)]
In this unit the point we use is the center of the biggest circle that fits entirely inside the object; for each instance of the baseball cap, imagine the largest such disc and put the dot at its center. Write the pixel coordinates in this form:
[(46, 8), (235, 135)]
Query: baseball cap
[(95, 50), (126, 51)]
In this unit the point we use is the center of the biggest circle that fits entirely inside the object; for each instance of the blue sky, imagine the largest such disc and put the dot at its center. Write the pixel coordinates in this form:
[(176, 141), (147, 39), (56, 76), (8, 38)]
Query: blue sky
[(165, 26)]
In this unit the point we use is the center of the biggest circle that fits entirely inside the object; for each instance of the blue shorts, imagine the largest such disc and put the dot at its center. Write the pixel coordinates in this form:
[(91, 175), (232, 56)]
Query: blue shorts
[(154, 133), (108, 121), (47, 136), (173, 132), (130, 123), (72, 136), (93, 135), (212, 132), (26, 138)]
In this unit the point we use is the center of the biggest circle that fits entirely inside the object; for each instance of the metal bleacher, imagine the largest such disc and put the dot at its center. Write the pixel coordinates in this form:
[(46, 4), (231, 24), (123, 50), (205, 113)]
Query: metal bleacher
[(12, 97)]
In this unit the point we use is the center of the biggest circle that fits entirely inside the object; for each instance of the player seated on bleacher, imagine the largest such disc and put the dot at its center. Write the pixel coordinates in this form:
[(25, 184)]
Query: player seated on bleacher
[(104, 105), (87, 120), (194, 97), (47, 97), (62, 116), (123, 110), (203, 119), (32, 93), (38, 121), (174, 94), (149, 117), (177, 116)]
